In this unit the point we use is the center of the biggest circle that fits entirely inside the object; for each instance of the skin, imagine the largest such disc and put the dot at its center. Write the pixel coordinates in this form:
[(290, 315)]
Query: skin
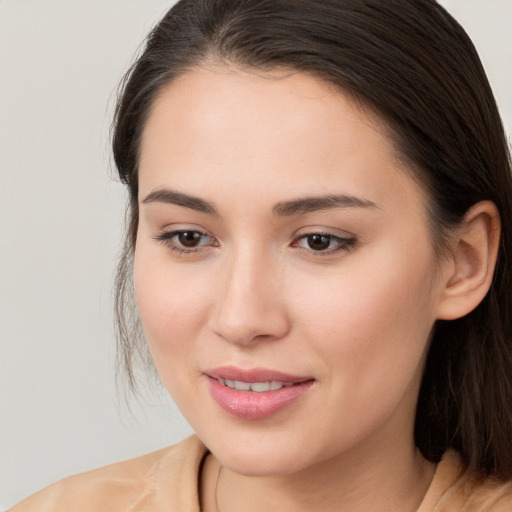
[(357, 317)]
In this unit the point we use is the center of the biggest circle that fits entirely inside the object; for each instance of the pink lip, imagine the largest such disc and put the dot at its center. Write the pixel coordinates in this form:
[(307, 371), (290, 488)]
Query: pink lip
[(253, 375), (249, 404)]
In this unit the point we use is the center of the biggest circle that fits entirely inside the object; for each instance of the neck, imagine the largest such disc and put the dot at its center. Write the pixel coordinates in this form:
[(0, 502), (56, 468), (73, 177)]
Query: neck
[(361, 483)]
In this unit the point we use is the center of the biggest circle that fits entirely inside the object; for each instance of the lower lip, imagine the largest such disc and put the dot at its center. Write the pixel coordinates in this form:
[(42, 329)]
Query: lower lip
[(252, 405)]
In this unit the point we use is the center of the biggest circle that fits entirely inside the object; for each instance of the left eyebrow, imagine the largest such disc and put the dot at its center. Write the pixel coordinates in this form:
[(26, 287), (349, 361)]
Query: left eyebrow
[(312, 204)]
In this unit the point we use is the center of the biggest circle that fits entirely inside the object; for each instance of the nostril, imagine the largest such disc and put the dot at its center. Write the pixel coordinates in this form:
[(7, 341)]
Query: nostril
[(249, 306), (251, 329)]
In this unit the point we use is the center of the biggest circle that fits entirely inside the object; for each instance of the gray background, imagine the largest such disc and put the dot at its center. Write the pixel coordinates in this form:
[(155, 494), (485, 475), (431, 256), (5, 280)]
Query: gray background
[(60, 224)]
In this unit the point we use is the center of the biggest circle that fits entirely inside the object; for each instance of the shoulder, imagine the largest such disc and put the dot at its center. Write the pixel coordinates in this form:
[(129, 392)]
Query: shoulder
[(486, 494), (162, 480), (456, 489)]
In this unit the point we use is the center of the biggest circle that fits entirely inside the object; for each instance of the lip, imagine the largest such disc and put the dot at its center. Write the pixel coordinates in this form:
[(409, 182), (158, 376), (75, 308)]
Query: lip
[(253, 375), (252, 405)]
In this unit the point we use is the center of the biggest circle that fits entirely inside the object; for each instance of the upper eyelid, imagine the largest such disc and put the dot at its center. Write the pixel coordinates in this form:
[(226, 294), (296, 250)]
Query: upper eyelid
[(323, 233), (170, 231), (323, 230), (344, 235), (174, 232)]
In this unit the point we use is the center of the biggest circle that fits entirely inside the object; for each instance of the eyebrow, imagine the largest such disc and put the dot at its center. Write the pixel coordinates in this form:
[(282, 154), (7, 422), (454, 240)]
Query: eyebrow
[(317, 203), (180, 199), (299, 206)]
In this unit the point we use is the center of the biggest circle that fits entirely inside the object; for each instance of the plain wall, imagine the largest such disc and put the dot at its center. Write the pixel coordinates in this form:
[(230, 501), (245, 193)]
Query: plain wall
[(61, 221)]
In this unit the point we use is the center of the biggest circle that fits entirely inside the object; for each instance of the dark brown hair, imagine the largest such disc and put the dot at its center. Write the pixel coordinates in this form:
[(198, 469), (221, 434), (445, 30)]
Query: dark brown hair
[(413, 65)]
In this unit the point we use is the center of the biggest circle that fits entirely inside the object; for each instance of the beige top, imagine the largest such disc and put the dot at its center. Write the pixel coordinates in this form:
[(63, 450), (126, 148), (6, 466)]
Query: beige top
[(167, 481)]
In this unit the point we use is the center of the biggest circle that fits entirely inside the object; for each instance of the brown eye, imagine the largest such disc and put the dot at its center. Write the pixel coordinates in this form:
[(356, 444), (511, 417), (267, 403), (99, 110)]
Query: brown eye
[(186, 241), (189, 238), (319, 242), (325, 243)]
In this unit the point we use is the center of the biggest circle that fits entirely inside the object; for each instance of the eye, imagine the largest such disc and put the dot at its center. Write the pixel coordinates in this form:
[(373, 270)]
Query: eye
[(189, 238), (185, 241), (325, 243)]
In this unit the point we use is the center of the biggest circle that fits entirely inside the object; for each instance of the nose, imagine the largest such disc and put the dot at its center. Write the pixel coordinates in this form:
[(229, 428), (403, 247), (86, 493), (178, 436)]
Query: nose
[(250, 305)]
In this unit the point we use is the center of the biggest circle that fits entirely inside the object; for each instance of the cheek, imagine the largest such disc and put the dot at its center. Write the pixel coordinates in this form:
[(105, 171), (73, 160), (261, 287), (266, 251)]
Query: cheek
[(171, 308), (370, 325)]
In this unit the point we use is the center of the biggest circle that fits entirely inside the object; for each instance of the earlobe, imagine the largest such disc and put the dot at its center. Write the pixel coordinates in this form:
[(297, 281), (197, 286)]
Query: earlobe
[(472, 262)]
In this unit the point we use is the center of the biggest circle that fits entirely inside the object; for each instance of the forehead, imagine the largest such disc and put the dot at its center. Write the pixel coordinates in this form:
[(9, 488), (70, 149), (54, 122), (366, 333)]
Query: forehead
[(220, 100), (219, 127)]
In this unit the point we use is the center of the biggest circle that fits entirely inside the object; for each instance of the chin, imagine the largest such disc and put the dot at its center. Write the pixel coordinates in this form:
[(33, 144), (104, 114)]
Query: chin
[(260, 455), (256, 465)]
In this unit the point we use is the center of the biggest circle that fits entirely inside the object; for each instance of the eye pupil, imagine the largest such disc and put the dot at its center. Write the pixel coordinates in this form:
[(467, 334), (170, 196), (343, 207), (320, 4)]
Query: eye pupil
[(189, 238), (318, 242)]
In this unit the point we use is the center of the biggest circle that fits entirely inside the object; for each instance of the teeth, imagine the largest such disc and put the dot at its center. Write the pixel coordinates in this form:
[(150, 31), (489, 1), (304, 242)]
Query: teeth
[(242, 386), (257, 387)]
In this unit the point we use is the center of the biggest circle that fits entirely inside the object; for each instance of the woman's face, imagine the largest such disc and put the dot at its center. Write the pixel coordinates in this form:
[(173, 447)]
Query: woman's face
[(282, 249)]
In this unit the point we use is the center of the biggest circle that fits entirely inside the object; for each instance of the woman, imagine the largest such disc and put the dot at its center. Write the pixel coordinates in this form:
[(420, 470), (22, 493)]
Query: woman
[(320, 200)]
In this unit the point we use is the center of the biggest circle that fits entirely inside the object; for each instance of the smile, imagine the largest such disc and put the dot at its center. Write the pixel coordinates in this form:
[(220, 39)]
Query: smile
[(255, 394), (257, 387)]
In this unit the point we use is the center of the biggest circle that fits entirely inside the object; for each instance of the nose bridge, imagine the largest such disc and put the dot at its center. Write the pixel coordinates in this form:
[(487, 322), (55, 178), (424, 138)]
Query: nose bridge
[(250, 305)]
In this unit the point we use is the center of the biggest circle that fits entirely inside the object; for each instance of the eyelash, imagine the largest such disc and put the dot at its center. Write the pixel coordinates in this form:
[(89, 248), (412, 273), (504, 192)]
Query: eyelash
[(344, 244), (166, 238)]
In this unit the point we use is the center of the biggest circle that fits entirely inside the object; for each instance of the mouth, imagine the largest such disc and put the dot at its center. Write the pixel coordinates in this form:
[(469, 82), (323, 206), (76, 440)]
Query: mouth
[(255, 394), (256, 387)]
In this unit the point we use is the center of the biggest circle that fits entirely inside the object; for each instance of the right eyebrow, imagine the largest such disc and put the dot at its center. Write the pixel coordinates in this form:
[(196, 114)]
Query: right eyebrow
[(178, 198)]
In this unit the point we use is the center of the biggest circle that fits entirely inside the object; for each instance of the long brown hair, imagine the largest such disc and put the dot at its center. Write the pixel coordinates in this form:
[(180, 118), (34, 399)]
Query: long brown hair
[(413, 65)]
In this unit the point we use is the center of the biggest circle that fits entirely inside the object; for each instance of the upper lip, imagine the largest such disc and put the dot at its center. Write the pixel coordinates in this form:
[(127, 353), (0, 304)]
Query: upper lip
[(253, 375)]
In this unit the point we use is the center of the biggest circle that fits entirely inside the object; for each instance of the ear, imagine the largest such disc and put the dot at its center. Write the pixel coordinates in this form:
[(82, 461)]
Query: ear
[(469, 269)]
